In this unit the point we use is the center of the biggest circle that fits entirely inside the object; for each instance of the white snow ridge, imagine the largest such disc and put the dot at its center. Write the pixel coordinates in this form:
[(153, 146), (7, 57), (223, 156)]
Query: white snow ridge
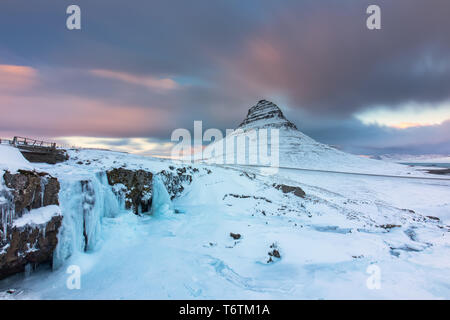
[(223, 231)]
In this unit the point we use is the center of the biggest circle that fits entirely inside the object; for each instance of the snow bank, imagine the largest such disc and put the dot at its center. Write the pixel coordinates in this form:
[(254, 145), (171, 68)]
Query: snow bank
[(11, 159), (38, 216)]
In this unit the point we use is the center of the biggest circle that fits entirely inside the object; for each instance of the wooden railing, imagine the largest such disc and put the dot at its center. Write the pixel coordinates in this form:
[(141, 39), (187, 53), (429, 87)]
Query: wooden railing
[(5, 141), (22, 141), (29, 143)]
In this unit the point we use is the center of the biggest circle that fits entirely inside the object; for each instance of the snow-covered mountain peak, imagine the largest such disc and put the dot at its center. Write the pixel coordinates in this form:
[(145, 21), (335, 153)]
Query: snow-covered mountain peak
[(294, 148), (265, 114)]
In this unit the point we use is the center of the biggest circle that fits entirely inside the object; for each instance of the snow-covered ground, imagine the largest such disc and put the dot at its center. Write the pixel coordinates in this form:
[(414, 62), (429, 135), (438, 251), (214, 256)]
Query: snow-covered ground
[(328, 241), (366, 229), (38, 216), (11, 159), (421, 159)]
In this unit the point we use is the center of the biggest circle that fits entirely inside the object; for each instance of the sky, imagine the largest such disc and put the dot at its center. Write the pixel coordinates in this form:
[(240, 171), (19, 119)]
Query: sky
[(138, 70)]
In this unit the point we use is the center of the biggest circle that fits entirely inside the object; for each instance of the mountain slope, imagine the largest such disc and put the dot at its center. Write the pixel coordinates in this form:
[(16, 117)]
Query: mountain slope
[(296, 149)]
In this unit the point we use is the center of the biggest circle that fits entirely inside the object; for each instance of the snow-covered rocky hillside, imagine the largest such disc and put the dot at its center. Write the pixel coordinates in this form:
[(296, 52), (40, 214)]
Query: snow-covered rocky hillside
[(296, 150), (140, 227)]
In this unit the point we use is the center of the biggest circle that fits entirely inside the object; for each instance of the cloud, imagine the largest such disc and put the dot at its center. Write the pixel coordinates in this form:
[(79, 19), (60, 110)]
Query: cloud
[(15, 78), (146, 81), (316, 57), (353, 136), (322, 57), (53, 115), (142, 146), (409, 115)]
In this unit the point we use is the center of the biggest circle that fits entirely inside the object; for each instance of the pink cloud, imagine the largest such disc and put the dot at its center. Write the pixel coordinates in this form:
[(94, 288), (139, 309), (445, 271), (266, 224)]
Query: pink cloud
[(28, 111), (60, 115), (146, 81), (14, 78)]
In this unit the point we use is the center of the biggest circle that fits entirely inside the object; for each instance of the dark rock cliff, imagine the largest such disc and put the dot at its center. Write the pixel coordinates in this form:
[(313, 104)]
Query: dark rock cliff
[(29, 244), (31, 190), (138, 185), (175, 178)]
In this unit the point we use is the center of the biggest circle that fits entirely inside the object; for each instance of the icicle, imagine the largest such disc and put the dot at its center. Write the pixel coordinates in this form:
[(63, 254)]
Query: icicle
[(43, 185), (44, 231), (7, 210), (28, 269)]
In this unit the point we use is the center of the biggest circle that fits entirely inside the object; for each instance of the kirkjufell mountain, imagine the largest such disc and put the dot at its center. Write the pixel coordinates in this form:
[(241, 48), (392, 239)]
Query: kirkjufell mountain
[(296, 149)]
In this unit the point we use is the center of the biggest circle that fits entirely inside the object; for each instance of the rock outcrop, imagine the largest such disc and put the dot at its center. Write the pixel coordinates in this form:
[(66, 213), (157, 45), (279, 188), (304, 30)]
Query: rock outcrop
[(175, 178), (46, 155), (138, 187), (30, 243), (31, 190), (290, 189), (265, 114)]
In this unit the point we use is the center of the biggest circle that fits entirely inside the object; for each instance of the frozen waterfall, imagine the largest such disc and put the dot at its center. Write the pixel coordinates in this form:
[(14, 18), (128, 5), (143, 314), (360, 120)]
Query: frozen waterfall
[(161, 203), (84, 202)]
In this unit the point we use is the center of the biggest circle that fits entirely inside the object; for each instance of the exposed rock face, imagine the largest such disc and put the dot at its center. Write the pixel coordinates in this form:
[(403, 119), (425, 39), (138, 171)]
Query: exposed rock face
[(27, 244), (88, 204), (265, 114), (50, 156), (174, 179), (32, 190), (290, 189), (138, 184)]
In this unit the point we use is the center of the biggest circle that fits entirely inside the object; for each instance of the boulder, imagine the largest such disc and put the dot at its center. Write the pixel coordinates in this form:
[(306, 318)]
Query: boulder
[(235, 236), (290, 189)]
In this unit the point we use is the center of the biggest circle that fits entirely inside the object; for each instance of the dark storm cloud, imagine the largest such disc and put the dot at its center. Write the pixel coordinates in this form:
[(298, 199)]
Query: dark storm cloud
[(325, 60), (159, 37)]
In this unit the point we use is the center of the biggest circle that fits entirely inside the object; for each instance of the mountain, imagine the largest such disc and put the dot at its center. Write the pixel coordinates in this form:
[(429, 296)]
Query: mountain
[(296, 150)]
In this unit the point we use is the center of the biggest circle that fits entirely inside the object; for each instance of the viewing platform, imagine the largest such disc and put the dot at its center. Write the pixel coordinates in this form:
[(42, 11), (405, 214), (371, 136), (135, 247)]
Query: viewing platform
[(37, 150)]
